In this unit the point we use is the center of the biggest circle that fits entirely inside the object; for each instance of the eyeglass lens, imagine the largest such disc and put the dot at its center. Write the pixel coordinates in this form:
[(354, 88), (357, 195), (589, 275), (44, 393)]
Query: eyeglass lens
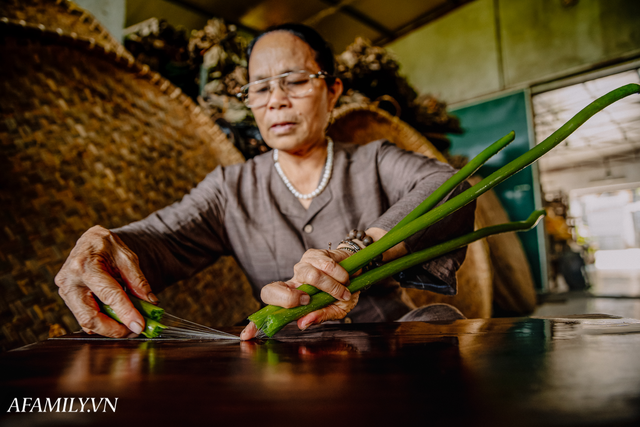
[(295, 84)]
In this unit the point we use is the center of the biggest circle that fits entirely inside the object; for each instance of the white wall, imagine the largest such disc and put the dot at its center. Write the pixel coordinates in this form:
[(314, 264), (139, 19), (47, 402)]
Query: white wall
[(488, 46)]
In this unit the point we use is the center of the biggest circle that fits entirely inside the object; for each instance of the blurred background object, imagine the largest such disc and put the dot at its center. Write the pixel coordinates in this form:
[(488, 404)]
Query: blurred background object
[(164, 49)]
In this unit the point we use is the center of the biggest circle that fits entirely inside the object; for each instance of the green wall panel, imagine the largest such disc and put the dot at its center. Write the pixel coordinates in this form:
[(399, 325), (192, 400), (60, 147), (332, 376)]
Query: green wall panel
[(485, 123)]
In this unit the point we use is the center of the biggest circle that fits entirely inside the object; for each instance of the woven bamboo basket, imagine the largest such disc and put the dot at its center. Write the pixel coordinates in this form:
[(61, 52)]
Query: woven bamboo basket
[(89, 136), (362, 123), (62, 17)]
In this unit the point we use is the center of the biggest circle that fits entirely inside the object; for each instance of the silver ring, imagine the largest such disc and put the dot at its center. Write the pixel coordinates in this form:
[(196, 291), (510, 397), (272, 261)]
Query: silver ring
[(348, 248), (352, 244)]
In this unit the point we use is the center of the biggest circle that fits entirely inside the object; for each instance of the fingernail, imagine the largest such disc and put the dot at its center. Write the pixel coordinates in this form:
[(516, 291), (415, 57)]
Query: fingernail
[(132, 335), (304, 326), (305, 299), (346, 296), (135, 327), (152, 297)]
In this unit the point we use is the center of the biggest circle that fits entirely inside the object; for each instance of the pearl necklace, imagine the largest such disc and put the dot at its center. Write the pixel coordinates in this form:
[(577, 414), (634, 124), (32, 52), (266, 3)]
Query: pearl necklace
[(328, 167)]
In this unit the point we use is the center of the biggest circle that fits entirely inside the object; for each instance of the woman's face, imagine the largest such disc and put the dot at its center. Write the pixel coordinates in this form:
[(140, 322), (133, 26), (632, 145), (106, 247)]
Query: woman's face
[(291, 124)]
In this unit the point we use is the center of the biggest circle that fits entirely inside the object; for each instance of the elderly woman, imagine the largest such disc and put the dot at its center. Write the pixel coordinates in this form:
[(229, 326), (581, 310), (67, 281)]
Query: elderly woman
[(277, 212)]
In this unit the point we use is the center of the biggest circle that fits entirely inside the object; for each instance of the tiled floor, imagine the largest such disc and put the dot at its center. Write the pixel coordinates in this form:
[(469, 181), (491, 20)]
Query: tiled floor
[(615, 292)]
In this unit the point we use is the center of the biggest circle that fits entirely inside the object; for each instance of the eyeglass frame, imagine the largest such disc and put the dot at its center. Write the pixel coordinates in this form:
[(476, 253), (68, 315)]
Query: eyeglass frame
[(243, 95)]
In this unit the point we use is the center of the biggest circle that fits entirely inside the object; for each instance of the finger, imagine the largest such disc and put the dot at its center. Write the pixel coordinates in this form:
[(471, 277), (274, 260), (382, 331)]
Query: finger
[(331, 312), (328, 263), (106, 326), (335, 311), (126, 261), (249, 332), (306, 273), (109, 292), (283, 295), (86, 311)]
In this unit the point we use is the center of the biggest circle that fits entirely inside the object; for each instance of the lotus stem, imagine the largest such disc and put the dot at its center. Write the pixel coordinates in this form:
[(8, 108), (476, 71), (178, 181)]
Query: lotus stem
[(152, 328), (450, 184)]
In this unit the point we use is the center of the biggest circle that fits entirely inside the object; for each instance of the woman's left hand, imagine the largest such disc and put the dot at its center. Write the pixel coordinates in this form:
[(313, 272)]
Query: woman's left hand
[(318, 268)]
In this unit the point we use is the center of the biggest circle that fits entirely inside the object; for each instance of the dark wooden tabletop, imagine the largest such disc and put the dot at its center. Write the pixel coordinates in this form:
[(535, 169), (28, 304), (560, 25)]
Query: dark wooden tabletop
[(488, 372)]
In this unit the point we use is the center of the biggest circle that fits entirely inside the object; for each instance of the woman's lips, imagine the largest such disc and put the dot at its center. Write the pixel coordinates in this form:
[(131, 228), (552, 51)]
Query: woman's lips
[(284, 127)]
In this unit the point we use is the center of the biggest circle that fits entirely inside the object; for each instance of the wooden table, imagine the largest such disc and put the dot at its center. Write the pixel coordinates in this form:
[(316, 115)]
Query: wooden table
[(486, 372)]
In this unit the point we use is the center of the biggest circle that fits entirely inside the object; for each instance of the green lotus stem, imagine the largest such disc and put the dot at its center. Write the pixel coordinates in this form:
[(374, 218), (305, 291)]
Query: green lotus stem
[(259, 316), (392, 238), (449, 185), (278, 319), (433, 199), (152, 328), (146, 308)]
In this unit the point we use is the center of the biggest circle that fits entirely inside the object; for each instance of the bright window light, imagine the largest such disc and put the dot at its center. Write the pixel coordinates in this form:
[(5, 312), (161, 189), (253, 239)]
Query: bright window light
[(623, 259)]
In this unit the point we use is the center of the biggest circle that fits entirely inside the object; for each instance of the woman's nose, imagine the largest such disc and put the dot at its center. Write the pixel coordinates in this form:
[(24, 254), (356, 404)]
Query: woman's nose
[(278, 97)]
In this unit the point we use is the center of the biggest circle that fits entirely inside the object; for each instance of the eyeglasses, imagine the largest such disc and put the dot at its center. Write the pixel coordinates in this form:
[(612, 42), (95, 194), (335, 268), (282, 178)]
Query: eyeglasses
[(294, 84)]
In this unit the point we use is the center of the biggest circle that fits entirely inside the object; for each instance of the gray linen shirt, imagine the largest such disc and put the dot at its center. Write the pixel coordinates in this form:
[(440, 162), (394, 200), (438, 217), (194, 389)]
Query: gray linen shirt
[(245, 210)]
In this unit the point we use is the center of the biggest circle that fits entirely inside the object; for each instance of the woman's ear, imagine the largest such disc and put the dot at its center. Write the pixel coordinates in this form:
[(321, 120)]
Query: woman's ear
[(335, 90)]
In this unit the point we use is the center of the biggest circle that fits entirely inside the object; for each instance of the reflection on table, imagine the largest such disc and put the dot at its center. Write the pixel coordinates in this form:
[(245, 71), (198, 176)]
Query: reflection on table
[(525, 372)]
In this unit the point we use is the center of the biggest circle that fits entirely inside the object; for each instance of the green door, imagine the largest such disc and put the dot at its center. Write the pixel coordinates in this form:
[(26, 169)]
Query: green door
[(485, 123)]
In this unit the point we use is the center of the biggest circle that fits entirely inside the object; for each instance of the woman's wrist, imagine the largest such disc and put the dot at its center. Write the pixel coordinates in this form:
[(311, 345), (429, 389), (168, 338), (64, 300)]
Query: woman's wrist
[(359, 239), (355, 240), (393, 253), (351, 248)]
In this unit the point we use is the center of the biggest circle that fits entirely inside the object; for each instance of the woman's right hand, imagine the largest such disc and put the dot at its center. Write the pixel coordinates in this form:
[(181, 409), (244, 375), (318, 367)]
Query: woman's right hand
[(320, 269), (93, 269)]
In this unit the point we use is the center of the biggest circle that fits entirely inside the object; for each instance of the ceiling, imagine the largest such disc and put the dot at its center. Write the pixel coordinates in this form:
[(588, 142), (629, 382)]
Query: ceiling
[(612, 134), (338, 21)]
